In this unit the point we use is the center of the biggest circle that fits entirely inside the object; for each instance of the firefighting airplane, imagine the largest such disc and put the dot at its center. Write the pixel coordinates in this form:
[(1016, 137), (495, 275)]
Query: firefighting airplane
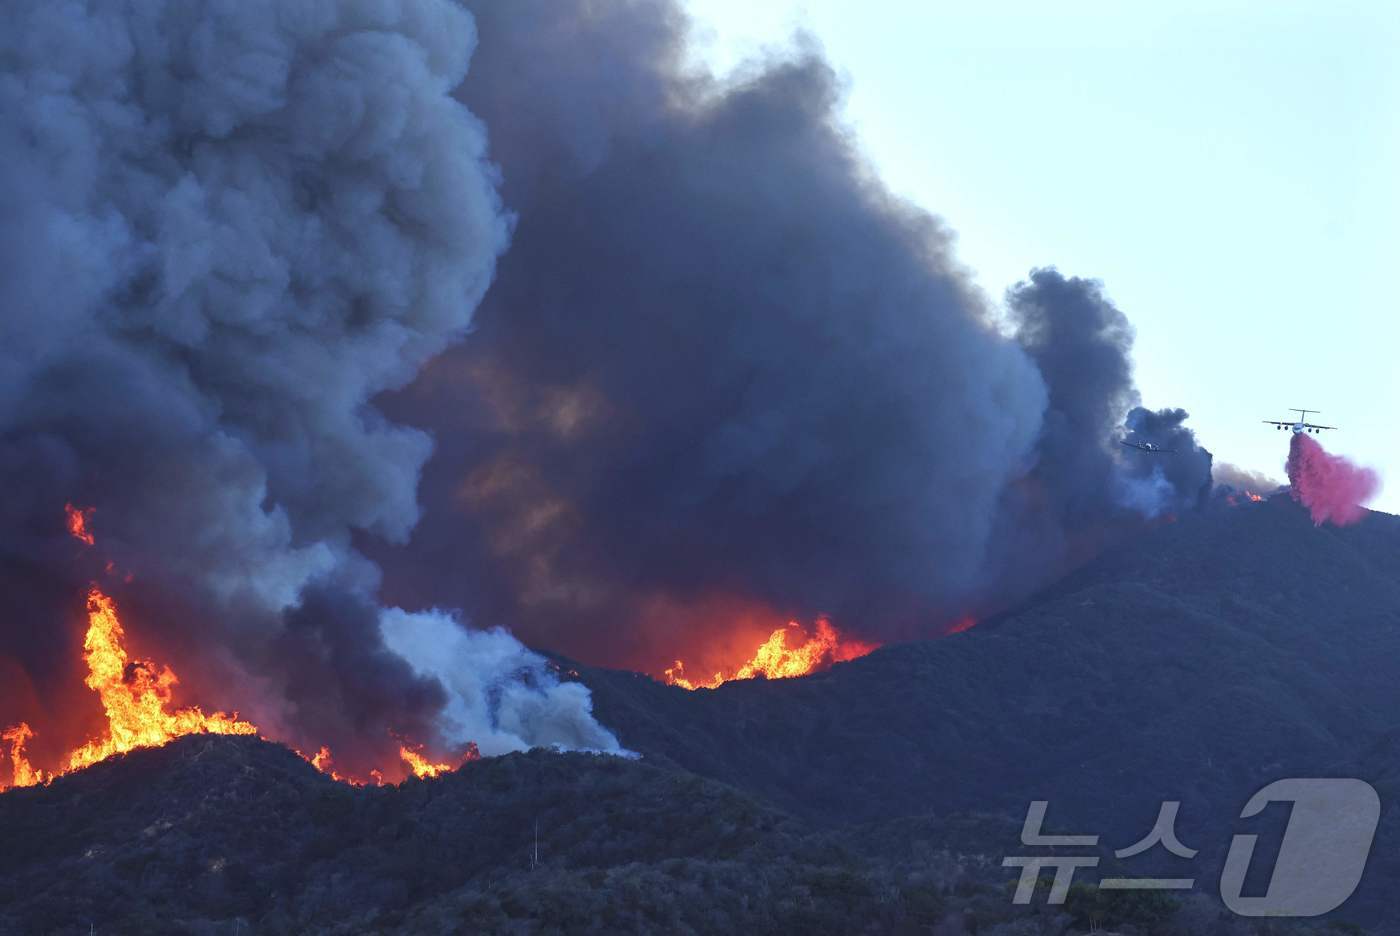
[(1149, 447), (1301, 424)]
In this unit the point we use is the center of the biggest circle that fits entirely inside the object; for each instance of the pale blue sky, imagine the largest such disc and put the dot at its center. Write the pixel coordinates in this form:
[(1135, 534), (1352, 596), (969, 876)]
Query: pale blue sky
[(1228, 170)]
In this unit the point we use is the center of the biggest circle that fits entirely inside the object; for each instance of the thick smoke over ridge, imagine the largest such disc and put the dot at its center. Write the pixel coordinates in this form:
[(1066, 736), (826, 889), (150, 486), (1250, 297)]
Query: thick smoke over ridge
[(722, 373), (1083, 486), (723, 370), (229, 225), (1232, 477)]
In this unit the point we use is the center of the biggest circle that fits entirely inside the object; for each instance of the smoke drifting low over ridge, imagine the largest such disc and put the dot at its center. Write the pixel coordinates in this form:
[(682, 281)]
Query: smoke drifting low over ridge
[(1228, 477), (725, 372), (229, 225)]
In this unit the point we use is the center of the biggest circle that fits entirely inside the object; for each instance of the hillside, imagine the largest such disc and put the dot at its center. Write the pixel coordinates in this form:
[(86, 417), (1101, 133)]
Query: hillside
[(218, 835), (236, 835), (1210, 657), (1205, 659), (1210, 654)]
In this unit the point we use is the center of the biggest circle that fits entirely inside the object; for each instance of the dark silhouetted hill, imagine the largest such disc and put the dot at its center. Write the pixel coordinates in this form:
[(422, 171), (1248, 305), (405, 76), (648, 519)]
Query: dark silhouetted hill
[(236, 835), (217, 835), (1201, 661)]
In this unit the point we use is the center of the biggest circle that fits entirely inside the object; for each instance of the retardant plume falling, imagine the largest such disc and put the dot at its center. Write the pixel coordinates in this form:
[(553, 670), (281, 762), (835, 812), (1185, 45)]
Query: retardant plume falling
[(1332, 488)]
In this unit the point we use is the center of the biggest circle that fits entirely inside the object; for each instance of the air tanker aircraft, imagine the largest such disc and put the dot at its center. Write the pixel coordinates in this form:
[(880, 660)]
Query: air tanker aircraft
[(1150, 447), (1301, 425)]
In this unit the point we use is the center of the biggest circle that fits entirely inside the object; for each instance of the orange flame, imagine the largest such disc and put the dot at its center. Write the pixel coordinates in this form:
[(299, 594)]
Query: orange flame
[(420, 765), (423, 768), (322, 761), (1252, 496), (135, 695), (78, 523), (23, 774), (774, 659)]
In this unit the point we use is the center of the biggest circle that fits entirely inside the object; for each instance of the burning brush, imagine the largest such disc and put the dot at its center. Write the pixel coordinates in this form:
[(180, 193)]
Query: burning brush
[(137, 698), (774, 659)]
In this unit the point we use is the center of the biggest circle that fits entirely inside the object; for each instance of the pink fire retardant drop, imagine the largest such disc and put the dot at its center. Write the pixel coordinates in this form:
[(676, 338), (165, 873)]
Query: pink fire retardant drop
[(1332, 488)]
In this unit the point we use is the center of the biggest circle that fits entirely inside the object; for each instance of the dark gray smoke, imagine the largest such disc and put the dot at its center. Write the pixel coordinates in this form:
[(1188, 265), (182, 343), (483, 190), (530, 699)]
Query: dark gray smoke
[(1081, 345), (228, 225), (722, 371), (723, 367), (1084, 487), (1181, 478)]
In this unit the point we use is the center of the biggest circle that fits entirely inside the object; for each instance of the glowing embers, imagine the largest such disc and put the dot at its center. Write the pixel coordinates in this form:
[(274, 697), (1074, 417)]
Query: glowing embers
[(777, 659), (80, 523)]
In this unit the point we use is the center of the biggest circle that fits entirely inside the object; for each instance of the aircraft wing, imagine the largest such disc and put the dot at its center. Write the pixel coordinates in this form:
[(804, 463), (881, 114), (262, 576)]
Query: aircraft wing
[(1276, 422), (1315, 426)]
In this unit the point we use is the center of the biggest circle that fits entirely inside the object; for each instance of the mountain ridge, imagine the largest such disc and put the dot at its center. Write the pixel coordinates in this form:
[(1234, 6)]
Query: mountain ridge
[(1196, 663)]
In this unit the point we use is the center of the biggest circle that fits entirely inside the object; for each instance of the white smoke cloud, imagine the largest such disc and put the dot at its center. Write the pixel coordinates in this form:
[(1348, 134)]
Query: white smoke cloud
[(502, 696)]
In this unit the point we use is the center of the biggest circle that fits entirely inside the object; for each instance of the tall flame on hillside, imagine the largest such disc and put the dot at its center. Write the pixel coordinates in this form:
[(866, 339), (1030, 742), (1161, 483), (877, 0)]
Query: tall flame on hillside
[(137, 696), (17, 737), (774, 659), (423, 768)]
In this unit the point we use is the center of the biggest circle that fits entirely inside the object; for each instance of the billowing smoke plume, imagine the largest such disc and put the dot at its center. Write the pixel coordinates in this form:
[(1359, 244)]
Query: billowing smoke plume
[(228, 225), (1082, 344), (1083, 485), (1234, 479), (724, 370), (1184, 479), (1332, 488)]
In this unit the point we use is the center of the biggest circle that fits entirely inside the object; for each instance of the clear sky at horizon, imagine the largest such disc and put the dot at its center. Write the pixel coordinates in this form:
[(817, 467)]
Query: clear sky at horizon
[(1228, 170)]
